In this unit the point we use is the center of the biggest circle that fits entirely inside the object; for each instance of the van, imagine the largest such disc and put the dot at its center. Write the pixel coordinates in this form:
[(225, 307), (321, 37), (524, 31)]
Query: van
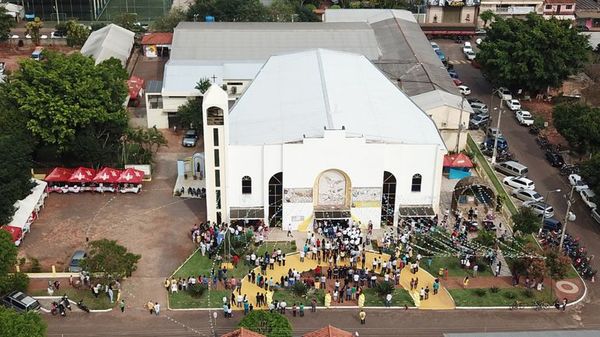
[(552, 224), (37, 53), (21, 302), (596, 215), (511, 168)]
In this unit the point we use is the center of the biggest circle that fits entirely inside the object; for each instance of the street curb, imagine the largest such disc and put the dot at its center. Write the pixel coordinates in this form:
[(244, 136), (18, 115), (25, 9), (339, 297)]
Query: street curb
[(289, 308), (71, 301)]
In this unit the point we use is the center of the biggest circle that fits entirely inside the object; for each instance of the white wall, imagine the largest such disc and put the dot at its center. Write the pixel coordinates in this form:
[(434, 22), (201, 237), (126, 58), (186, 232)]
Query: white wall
[(157, 117), (245, 161)]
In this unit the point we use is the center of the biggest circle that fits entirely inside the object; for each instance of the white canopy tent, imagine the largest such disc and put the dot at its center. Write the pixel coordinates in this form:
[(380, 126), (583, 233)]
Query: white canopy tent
[(28, 208)]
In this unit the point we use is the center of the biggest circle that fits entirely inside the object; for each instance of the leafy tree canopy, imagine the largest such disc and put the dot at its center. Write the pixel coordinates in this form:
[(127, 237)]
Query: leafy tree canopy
[(557, 264), (190, 113), (591, 173), (168, 22), (67, 93), (526, 221), (110, 258), (33, 28), (16, 324), (8, 253), (579, 124), (77, 33), (270, 324), (532, 54), (487, 16), (6, 23)]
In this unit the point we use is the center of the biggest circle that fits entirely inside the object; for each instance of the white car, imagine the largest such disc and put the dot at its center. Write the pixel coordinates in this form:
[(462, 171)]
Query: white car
[(519, 182), (513, 104), (467, 47), (588, 196), (435, 46), (504, 93), (596, 215), (540, 208), (526, 195), (479, 106), (470, 55), (577, 181), (524, 117), (464, 90)]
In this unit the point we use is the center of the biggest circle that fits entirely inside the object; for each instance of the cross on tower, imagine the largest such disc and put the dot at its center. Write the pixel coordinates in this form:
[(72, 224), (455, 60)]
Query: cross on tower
[(214, 78)]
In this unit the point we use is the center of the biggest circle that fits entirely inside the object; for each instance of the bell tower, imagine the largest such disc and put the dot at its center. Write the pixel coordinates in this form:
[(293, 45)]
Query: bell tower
[(215, 118)]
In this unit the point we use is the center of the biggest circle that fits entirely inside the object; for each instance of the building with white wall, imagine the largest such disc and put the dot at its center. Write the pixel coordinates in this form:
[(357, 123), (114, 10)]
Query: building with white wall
[(332, 143)]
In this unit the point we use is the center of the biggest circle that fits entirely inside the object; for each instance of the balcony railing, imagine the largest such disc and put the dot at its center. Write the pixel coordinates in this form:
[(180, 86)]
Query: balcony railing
[(515, 10)]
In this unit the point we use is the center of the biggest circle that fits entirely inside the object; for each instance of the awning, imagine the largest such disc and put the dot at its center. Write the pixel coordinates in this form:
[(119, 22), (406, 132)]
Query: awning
[(59, 174), (107, 175), (82, 175), (458, 160), (416, 212), (131, 176), (16, 233), (135, 85)]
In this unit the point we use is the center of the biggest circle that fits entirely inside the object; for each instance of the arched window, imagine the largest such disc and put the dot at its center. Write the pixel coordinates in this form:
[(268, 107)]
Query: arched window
[(276, 199), (388, 198), (416, 183), (246, 185)]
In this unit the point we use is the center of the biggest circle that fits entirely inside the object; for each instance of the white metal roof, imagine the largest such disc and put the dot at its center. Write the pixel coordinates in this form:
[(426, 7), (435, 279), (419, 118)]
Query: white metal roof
[(181, 76), (300, 94), (26, 206), (437, 98), (107, 42), (366, 15)]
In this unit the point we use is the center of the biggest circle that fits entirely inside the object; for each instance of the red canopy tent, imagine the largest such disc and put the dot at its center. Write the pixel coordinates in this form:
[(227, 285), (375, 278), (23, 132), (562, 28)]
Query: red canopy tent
[(131, 176), (16, 233), (82, 175), (59, 174), (459, 160), (135, 85), (107, 175)]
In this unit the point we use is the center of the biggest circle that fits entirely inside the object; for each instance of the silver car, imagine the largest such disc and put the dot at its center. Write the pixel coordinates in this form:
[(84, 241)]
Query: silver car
[(540, 208), (526, 195)]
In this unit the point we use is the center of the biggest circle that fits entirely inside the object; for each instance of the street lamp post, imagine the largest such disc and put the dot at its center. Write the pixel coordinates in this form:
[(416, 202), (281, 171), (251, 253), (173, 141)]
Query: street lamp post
[(56, 8), (564, 230), (546, 200), (495, 149), (460, 124)]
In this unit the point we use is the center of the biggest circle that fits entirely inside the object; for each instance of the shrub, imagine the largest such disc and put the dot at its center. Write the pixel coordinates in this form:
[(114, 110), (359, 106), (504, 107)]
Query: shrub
[(494, 290), (299, 289), (384, 288), (510, 295), (197, 290), (482, 267), (12, 282), (35, 265), (479, 292), (270, 324), (528, 293)]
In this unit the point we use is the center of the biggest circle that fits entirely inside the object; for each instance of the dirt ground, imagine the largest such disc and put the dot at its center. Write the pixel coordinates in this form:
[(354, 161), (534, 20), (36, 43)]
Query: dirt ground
[(544, 109), (10, 54)]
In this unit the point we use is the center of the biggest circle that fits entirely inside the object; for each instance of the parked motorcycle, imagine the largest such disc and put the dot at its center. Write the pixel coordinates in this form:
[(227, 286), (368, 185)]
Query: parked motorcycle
[(65, 301), (82, 306)]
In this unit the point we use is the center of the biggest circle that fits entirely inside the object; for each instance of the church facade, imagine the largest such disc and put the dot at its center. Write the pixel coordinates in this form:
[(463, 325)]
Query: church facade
[(339, 141)]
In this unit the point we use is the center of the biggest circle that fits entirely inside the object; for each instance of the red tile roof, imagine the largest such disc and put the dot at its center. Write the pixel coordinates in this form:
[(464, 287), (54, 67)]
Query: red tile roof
[(329, 331), (157, 38), (242, 332)]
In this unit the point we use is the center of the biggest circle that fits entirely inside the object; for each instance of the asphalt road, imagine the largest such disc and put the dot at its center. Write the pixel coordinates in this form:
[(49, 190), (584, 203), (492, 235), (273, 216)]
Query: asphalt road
[(390, 322)]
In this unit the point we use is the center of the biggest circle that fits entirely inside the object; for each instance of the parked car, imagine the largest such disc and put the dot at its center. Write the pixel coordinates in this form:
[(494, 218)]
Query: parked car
[(540, 208), (552, 224), (479, 106), (577, 181), (470, 55), (472, 100), (513, 104), (504, 93), (587, 195), (190, 138), (440, 54), (526, 195), (74, 263), (480, 32), (57, 34), (479, 121), (467, 47), (21, 302), (501, 145), (457, 81), (453, 73), (435, 46), (493, 132), (464, 90), (555, 159), (596, 215), (519, 182), (524, 117)]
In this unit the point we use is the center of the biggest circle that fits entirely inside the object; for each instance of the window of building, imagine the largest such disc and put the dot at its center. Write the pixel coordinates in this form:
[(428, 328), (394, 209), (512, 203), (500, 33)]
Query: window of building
[(217, 160), (276, 199), (177, 97), (548, 6), (388, 198), (218, 197), (416, 183), (569, 6), (235, 83), (155, 101), (216, 137), (214, 116), (246, 185), (217, 179)]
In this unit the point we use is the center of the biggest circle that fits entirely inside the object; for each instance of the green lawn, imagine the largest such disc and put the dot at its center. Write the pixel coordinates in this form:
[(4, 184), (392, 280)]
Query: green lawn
[(453, 265), (291, 298), (183, 300), (400, 297), (100, 303), (146, 10), (504, 297)]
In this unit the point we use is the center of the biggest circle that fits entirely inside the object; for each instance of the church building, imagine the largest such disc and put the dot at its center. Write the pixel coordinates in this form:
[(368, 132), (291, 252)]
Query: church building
[(318, 135)]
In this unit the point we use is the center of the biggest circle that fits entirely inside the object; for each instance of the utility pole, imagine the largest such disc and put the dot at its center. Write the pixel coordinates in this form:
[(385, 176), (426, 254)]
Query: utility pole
[(460, 124), (564, 230), (495, 150), (56, 8)]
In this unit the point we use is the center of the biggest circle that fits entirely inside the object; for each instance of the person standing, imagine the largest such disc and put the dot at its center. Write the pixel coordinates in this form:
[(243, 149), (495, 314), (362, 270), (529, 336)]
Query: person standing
[(475, 269), (289, 230), (363, 316), (122, 305), (313, 305), (156, 308), (465, 281)]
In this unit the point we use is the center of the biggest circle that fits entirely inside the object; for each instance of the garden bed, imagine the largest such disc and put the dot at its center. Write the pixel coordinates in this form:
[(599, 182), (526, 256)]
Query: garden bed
[(290, 298), (454, 269), (485, 297), (184, 300), (400, 297), (100, 303)]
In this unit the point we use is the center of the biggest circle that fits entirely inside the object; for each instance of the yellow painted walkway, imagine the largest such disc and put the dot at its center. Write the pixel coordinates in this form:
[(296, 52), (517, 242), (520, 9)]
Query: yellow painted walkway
[(441, 301)]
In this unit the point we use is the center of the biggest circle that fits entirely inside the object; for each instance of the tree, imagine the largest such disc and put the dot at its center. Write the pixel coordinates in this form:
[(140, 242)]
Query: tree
[(168, 22), (532, 54), (8, 253), (33, 29), (6, 23), (590, 172), (200, 9), (270, 324), (557, 264), (203, 85), (537, 269), (487, 16), (142, 144), (579, 124), (109, 258), (305, 14), (67, 94), (190, 113), (16, 324), (77, 33), (281, 11), (229, 10), (127, 21), (526, 221), (486, 238)]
